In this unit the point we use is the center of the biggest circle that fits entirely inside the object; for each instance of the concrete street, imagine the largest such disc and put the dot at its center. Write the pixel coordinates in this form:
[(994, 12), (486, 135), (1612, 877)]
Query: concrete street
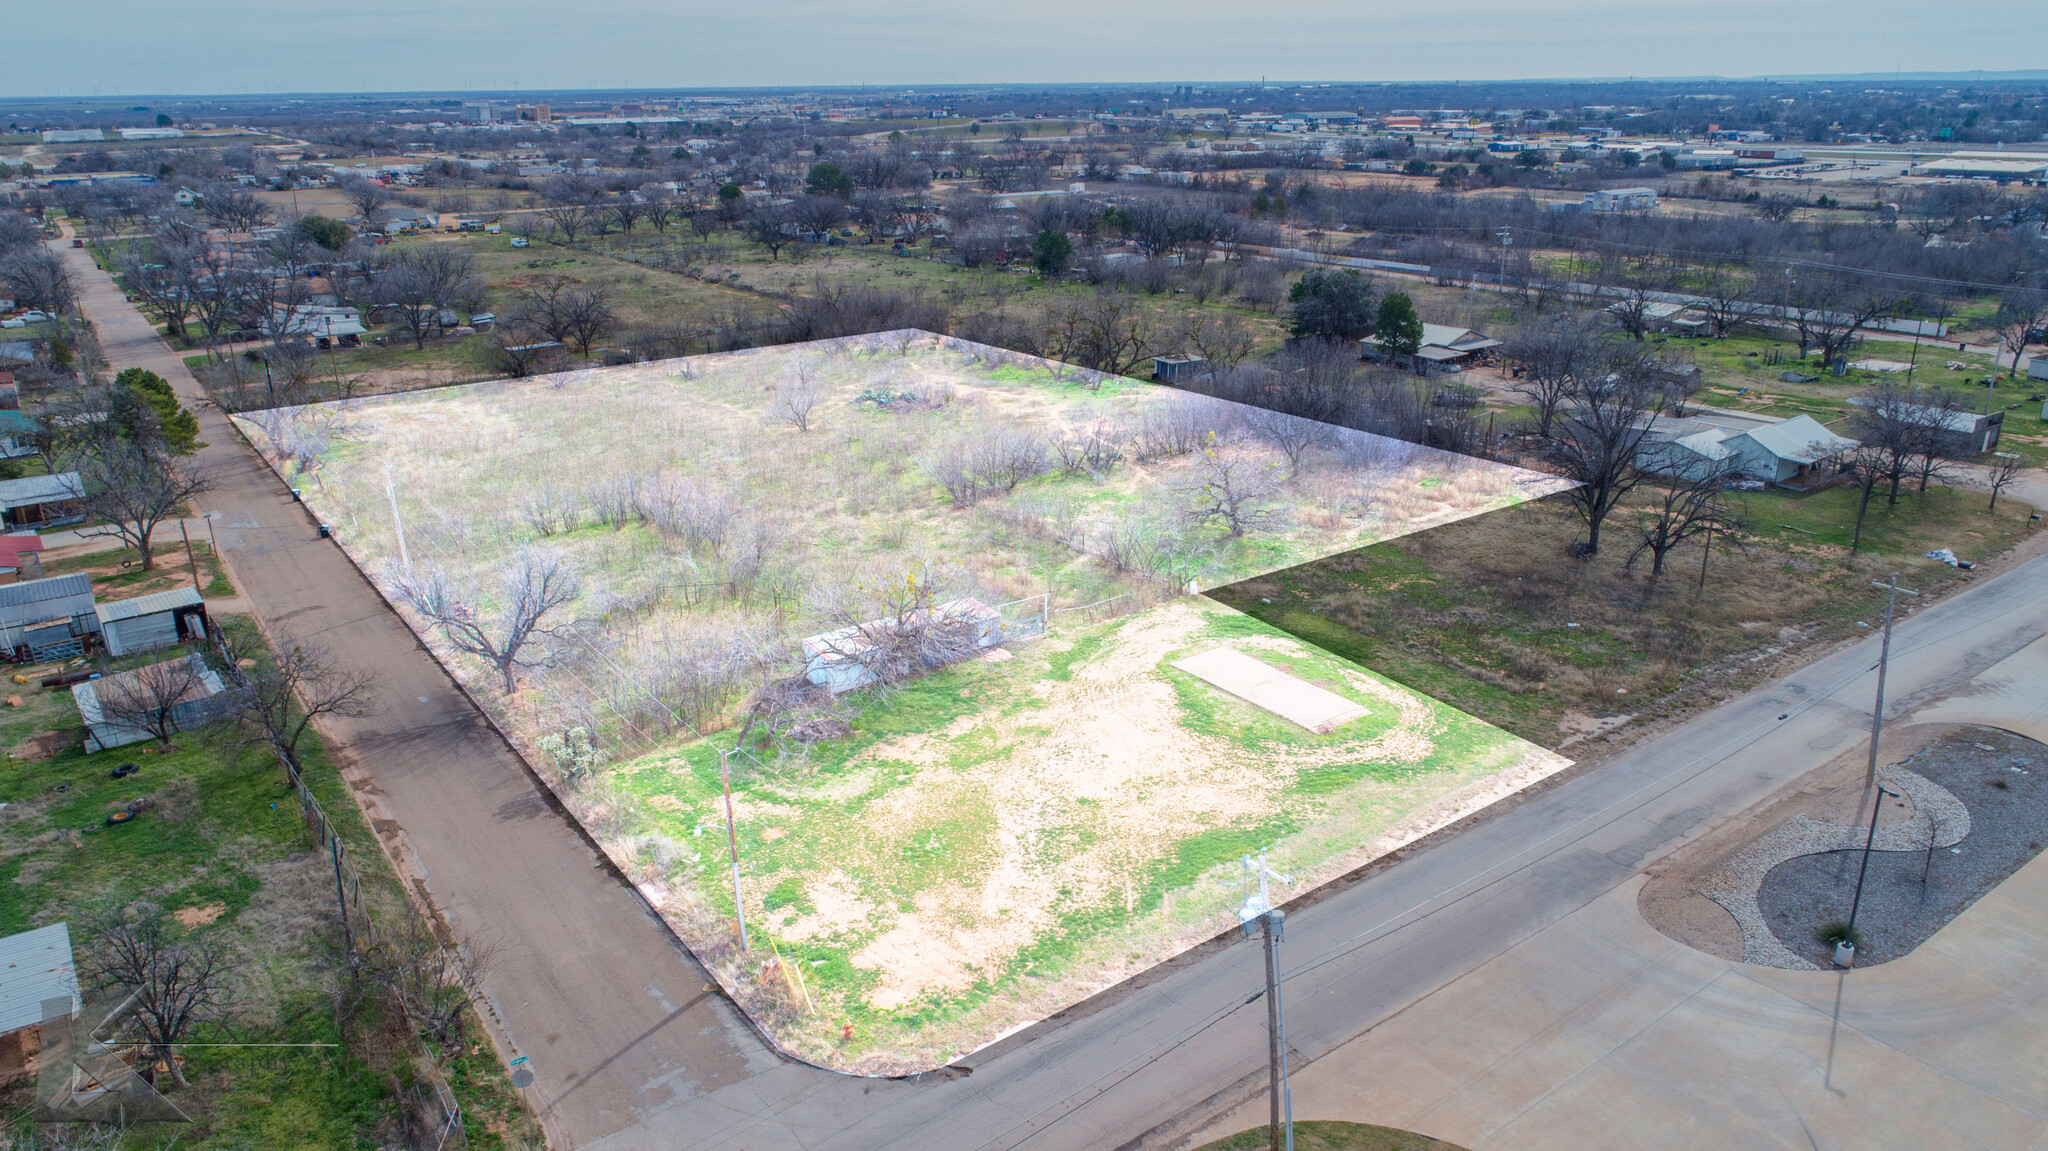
[(1412, 970), (613, 1013)]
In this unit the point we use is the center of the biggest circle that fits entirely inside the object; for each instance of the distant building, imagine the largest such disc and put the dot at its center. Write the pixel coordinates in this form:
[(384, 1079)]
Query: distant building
[(73, 136), (1445, 348), (150, 133), (1169, 369), (1621, 200), (2028, 170)]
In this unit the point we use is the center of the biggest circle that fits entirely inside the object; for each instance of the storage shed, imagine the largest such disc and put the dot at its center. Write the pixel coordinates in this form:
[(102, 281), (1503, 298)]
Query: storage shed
[(195, 706), (44, 619), (149, 622), (36, 968)]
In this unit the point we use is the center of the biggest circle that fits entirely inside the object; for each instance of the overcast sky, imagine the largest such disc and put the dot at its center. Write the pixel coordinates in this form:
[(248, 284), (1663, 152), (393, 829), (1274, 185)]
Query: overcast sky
[(110, 47)]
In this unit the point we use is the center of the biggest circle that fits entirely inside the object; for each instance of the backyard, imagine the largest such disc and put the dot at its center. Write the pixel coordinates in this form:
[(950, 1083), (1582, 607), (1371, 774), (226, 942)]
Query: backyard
[(939, 858)]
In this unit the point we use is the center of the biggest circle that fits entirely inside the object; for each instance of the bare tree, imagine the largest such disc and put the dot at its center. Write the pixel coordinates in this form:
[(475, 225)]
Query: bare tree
[(521, 348), (1232, 487), (1553, 356), (1726, 300), (1291, 436), (795, 397), (236, 208), (156, 699), (1688, 505), (423, 280), (2005, 468), (532, 587), (37, 278), (1867, 465), (566, 311), (174, 985), (572, 217), (428, 980), (303, 683), (368, 197), (2021, 314), (773, 228), (1830, 309), (135, 489), (1599, 442)]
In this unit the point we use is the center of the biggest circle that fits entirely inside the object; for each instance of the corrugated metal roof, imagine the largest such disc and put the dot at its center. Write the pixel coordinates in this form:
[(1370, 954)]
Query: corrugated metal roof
[(34, 966), (1801, 439), (43, 590), (143, 605), (41, 490)]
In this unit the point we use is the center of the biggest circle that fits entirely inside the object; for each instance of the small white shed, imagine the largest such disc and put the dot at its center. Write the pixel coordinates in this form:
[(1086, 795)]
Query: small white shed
[(149, 622)]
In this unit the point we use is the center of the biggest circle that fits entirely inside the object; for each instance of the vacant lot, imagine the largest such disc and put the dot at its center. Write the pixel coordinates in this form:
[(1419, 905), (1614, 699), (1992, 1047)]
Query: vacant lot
[(937, 861), (1488, 614)]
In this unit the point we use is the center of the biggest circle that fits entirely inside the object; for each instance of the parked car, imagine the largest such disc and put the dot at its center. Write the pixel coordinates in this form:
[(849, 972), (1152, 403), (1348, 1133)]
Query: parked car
[(519, 241), (77, 243)]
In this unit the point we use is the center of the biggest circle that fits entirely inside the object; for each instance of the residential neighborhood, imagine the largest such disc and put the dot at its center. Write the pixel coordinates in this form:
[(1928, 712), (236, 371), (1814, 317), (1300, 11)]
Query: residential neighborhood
[(639, 579)]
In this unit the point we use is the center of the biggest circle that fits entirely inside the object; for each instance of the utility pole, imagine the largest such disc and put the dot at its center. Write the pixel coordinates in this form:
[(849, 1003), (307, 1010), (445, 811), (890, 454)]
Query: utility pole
[(1884, 657), (391, 493), (1507, 236), (1258, 914), (191, 564), (732, 840)]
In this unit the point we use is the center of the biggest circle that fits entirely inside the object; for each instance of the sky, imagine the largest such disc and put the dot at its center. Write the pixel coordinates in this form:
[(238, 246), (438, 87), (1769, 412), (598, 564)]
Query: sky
[(135, 47)]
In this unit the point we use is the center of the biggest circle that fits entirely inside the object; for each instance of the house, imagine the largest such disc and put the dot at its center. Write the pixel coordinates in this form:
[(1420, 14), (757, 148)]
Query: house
[(333, 323), (195, 706), (1960, 435), (45, 619), (834, 657), (21, 557), (17, 434), (149, 622), (186, 197), (37, 976), (41, 500), (1445, 348), (1800, 448), (1788, 452)]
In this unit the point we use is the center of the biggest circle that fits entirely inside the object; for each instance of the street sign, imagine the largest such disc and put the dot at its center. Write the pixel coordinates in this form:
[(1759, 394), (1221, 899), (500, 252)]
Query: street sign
[(519, 1061)]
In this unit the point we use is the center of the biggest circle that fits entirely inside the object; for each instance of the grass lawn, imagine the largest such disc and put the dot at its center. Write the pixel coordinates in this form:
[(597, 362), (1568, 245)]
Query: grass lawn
[(224, 856), (1332, 1135), (1488, 615)]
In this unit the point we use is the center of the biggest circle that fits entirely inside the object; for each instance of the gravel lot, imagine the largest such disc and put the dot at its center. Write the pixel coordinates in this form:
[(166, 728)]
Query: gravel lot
[(2001, 778)]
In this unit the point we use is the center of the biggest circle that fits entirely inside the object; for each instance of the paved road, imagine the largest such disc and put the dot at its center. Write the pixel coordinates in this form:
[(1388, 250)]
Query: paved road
[(630, 1055), (591, 986)]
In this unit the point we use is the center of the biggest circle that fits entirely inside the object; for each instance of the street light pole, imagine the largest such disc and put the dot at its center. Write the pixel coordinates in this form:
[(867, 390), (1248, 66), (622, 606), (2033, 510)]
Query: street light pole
[(1884, 658), (1847, 945)]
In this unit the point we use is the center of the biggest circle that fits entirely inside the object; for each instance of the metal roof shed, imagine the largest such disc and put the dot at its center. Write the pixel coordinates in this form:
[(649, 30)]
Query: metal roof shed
[(148, 622), (47, 617), (35, 968)]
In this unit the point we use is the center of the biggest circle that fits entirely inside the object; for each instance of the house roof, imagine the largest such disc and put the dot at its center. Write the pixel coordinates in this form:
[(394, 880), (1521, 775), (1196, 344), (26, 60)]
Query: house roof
[(153, 604), (87, 695), (34, 966), (1710, 444), (40, 490), (14, 544), (40, 591), (1801, 439)]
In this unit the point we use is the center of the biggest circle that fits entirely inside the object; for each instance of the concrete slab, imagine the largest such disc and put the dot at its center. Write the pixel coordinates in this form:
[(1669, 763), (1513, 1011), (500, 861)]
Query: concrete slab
[(1263, 685)]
